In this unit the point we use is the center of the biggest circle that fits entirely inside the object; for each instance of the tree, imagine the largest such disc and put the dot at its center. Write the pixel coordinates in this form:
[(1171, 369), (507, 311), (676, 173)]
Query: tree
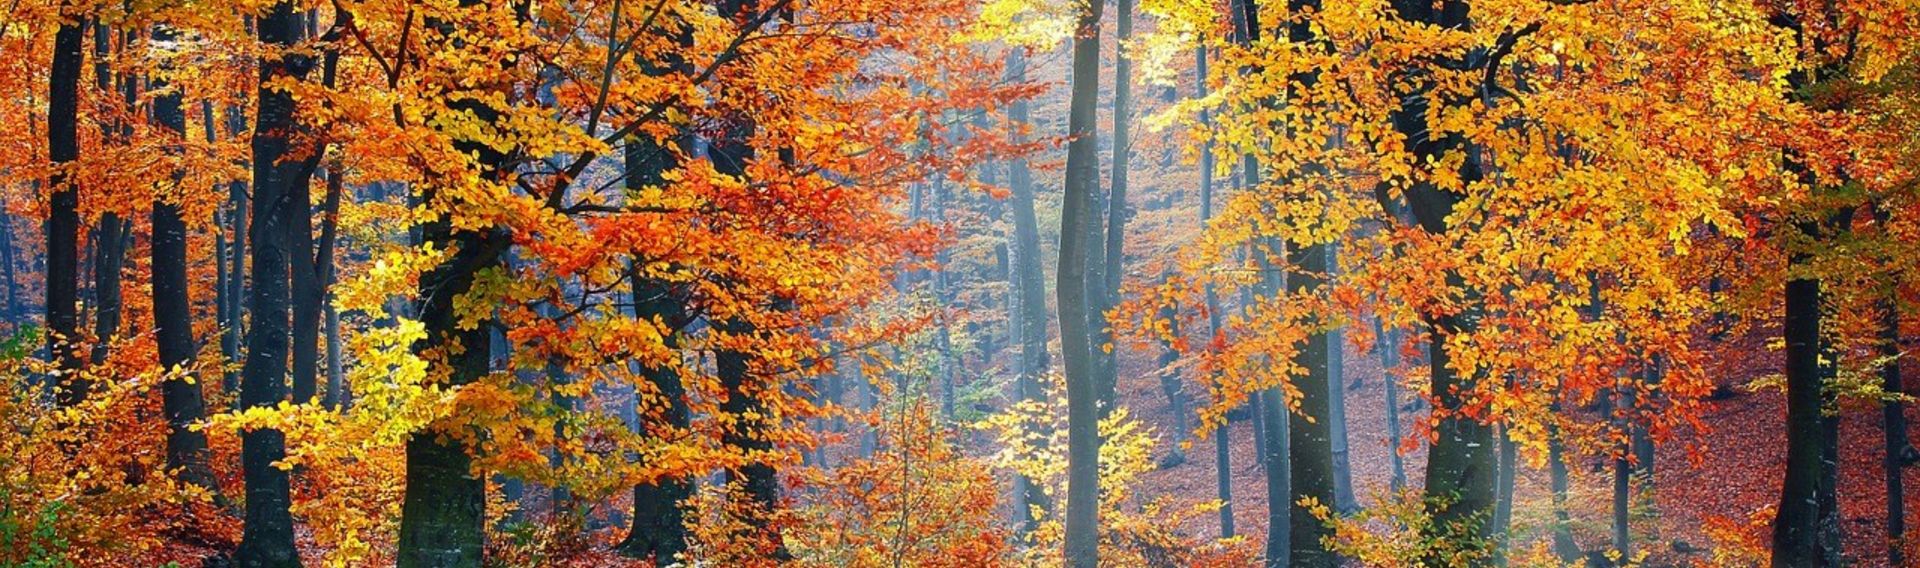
[(279, 170), (183, 401), (1076, 336), (63, 216), (1033, 360), (443, 514)]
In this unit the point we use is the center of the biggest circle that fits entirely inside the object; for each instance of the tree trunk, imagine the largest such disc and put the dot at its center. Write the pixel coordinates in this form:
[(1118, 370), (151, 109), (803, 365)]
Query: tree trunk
[(1797, 526), (63, 216), (9, 278), (110, 235), (1170, 386), (1109, 257), (1343, 499), (182, 400), (228, 246), (1389, 359), (1894, 421), (1078, 214), (1503, 499), (337, 397), (443, 510), (1222, 458), (659, 528), (267, 540), (1034, 360), (943, 334), (1461, 463), (1564, 547)]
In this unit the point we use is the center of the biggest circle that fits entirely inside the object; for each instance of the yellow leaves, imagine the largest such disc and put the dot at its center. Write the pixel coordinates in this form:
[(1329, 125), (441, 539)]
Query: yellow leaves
[(1025, 23), (394, 273)]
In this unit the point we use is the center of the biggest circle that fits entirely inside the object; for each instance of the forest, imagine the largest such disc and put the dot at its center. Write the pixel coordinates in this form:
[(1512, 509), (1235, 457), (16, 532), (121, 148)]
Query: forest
[(959, 283)]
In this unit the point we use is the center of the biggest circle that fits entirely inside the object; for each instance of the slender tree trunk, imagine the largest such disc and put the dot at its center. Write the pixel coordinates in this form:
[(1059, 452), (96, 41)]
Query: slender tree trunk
[(1176, 394), (1389, 359), (1078, 214), (943, 334), (267, 540), (1034, 360), (63, 216), (1622, 475), (337, 396), (1503, 499), (182, 400), (1564, 547), (1107, 274), (1222, 450), (229, 242), (110, 238), (9, 276), (1894, 421), (1343, 498)]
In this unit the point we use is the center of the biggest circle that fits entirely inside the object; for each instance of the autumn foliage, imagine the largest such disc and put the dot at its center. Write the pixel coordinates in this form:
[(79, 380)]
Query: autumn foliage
[(771, 282)]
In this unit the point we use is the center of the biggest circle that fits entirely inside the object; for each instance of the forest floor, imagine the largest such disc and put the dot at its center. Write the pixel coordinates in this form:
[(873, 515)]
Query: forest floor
[(1726, 476)]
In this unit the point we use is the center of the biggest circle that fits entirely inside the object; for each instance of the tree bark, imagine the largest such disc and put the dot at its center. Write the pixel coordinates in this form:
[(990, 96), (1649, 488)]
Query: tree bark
[(1079, 213), (1564, 547), (1461, 466), (659, 528), (9, 270), (1034, 360), (1389, 359), (1798, 524), (182, 400), (111, 234), (1175, 392), (1222, 450), (1110, 255), (267, 540), (443, 509), (1343, 498), (1899, 451), (63, 216)]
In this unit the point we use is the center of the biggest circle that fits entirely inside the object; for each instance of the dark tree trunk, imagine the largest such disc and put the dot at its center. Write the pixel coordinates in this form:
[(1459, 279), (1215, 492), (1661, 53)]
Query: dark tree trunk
[(1079, 216), (1461, 465), (63, 216), (1503, 500), (268, 537), (659, 526), (1899, 451), (1564, 547), (1311, 445), (111, 234), (230, 239), (1796, 532), (730, 154), (9, 276), (443, 510), (323, 277), (305, 293), (182, 400)]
